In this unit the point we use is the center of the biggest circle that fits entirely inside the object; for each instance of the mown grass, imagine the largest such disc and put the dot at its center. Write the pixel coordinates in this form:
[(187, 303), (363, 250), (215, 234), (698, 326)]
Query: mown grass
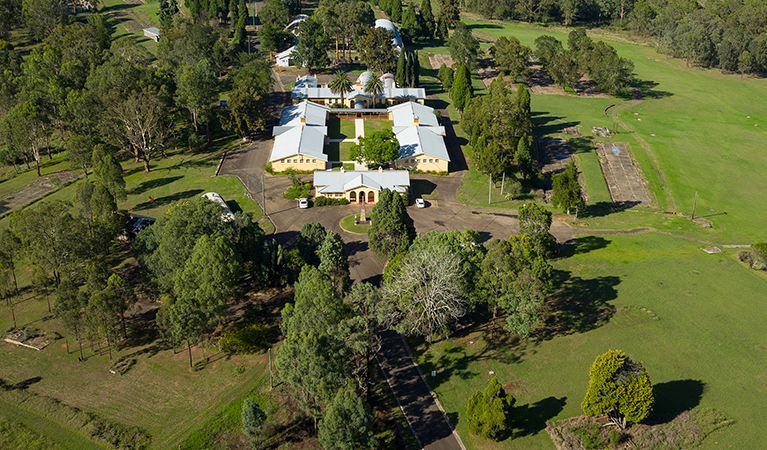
[(341, 129), (22, 429), (704, 140), (374, 125), (705, 348), (347, 223)]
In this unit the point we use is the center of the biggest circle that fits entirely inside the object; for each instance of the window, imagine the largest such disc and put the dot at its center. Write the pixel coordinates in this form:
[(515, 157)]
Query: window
[(314, 160), (412, 160), (431, 160)]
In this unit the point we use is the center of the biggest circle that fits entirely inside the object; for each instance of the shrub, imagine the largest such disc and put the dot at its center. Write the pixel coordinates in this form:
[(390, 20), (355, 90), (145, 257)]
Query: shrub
[(268, 168), (245, 340), (590, 436), (615, 437), (760, 250), (325, 201), (489, 412)]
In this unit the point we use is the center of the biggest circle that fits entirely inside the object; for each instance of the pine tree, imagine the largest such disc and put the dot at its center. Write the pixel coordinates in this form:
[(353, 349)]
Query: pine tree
[(347, 423), (416, 70), (392, 229), (524, 159), (334, 262), (168, 9), (489, 412), (428, 19), (409, 69), (396, 11), (462, 91), (567, 190), (411, 26), (401, 75), (253, 418), (441, 30)]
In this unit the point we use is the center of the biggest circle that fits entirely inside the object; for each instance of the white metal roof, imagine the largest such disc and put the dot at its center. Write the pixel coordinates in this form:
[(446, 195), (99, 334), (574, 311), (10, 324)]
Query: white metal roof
[(414, 141), (215, 197), (324, 92), (306, 81), (308, 141), (388, 25), (314, 113), (286, 53), (336, 181), (404, 115)]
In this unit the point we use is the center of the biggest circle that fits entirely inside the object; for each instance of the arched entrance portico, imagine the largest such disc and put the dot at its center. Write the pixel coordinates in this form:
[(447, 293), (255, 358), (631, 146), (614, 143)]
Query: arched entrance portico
[(352, 196), (371, 197), (361, 196)]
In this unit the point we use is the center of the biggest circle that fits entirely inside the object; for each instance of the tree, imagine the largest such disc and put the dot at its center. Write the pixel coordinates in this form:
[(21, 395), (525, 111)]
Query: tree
[(376, 149), (441, 31), (42, 16), (535, 222), (392, 230), (274, 12), (365, 302), (619, 387), (196, 90), (566, 189), (396, 10), (377, 49), (50, 236), (70, 308), (144, 124), (10, 252), (340, 84), (334, 262), (109, 171), (511, 56), (427, 15), (546, 47), (563, 69), (246, 111), (310, 240), (374, 86), (273, 38), (464, 48), (491, 158), (168, 9), (427, 293), (450, 11), (496, 276), (462, 90), (489, 412), (745, 63), (401, 74), (524, 159), (253, 418), (348, 423), (411, 23), (445, 75), (313, 45)]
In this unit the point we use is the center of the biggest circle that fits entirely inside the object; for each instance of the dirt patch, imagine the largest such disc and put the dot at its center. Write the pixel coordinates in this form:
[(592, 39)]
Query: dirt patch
[(539, 82), (627, 187), (436, 61), (35, 190), (553, 155)]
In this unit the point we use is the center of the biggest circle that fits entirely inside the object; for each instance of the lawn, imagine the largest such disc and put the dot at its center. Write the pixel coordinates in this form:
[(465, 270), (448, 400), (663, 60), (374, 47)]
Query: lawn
[(347, 223), (374, 125), (719, 364), (704, 140), (341, 128), (338, 151)]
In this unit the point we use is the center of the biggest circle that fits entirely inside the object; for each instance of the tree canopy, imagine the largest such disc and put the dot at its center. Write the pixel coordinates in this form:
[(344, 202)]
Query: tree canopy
[(392, 229), (376, 149), (490, 411), (377, 49)]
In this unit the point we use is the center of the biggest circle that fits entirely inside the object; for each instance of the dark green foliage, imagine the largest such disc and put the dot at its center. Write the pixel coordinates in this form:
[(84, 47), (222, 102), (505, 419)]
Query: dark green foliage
[(253, 418), (464, 48), (310, 239), (411, 23), (312, 49), (401, 75), (450, 11), (325, 201), (511, 56), (462, 91), (334, 262), (445, 75), (427, 16), (396, 10), (297, 189), (248, 339), (489, 412), (168, 9), (392, 230), (348, 423), (275, 13), (376, 149), (546, 48), (535, 222), (590, 436), (524, 159), (441, 31), (341, 84), (246, 111), (620, 387), (377, 50), (567, 190), (375, 87)]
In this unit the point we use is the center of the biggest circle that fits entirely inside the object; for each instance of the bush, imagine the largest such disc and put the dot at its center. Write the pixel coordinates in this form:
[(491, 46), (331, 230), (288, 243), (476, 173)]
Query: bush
[(615, 437), (760, 250), (590, 436), (245, 340), (489, 412), (325, 201)]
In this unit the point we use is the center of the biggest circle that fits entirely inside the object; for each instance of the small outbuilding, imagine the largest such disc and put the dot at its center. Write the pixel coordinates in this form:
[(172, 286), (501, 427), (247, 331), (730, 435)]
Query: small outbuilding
[(285, 59), (152, 33)]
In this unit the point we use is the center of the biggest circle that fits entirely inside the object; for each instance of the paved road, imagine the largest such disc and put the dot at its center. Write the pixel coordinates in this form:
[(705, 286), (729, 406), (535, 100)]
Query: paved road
[(429, 424)]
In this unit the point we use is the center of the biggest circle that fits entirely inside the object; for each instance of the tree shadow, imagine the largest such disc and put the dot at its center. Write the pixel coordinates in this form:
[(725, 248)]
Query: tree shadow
[(152, 184), (583, 144), (578, 305), (453, 362), (422, 187), (531, 419), (675, 397), (481, 26), (168, 199), (27, 383), (647, 89), (583, 245), (286, 237), (354, 247), (452, 417)]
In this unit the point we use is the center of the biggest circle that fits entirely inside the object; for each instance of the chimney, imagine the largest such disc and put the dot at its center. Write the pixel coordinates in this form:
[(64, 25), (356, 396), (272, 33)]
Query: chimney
[(380, 169), (303, 120), (415, 121), (342, 169)]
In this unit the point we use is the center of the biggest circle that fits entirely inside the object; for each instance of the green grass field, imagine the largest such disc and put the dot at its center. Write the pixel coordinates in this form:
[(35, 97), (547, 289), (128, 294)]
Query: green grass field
[(374, 125), (704, 142), (341, 129), (705, 348)]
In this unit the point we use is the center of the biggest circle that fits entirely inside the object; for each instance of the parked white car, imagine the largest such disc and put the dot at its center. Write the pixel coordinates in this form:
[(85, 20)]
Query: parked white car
[(419, 203), (303, 203)]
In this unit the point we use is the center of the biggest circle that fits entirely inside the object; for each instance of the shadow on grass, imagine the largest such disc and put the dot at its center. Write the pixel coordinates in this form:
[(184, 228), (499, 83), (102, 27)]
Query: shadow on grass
[(647, 90), (675, 397), (585, 244), (582, 144), (168, 199), (152, 184), (578, 305), (531, 419), (27, 383)]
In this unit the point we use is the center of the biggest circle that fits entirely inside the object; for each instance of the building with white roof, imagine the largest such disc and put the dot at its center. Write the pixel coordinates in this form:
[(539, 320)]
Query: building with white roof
[(215, 197), (360, 186), (285, 59), (300, 138), (421, 138), (388, 25), (358, 98)]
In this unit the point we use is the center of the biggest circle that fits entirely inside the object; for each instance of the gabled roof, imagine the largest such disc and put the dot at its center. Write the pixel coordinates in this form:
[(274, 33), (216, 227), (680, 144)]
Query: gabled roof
[(336, 181), (286, 53), (314, 113), (306, 81), (415, 141), (404, 114), (324, 92), (388, 25), (300, 140)]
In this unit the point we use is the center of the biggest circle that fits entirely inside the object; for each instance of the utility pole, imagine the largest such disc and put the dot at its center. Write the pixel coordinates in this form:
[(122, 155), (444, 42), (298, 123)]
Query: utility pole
[(503, 181), (489, 189), (694, 204)]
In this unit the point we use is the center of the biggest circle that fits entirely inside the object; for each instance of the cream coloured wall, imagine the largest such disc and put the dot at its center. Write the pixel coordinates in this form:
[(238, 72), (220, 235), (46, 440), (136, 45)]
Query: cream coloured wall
[(298, 162), (423, 163)]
